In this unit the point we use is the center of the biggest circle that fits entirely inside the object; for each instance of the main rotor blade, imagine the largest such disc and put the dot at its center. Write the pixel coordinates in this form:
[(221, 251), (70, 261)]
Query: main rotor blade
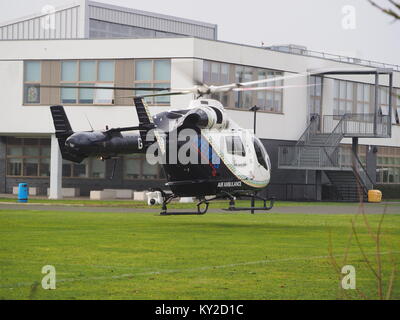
[(229, 87), (274, 87), (158, 94), (102, 88)]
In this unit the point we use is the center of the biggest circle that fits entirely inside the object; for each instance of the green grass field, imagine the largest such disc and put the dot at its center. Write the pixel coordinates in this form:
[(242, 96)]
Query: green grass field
[(216, 256)]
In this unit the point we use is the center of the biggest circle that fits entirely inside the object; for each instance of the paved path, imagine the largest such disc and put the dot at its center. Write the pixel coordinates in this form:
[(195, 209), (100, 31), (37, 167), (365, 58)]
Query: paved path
[(392, 208)]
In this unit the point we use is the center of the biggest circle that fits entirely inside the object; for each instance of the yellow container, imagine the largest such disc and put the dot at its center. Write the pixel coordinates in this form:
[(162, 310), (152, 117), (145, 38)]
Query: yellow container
[(374, 196)]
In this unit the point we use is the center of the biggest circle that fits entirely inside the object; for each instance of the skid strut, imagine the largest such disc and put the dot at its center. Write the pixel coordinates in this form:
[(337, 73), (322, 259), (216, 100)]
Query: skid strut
[(252, 208)]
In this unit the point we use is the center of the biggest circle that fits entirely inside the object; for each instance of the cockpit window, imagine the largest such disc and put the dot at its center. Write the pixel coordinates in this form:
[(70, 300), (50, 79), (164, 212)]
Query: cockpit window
[(261, 154), (234, 145)]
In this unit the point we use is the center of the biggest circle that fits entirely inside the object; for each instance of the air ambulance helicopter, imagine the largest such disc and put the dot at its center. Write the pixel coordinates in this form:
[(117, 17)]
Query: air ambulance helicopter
[(215, 159)]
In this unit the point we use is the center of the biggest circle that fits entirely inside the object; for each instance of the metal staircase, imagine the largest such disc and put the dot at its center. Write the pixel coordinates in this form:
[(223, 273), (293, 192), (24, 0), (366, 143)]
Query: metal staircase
[(321, 150)]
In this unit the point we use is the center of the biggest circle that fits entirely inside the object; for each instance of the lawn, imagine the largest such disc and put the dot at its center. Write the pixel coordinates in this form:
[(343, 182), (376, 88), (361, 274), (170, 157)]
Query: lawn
[(173, 205), (216, 256)]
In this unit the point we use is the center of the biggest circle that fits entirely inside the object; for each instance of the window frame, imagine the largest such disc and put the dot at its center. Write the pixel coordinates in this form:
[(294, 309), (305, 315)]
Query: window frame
[(233, 151), (153, 82), (314, 94), (230, 99), (141, 177), (78, 82), (41, 144), (387, 153), (27, 83)]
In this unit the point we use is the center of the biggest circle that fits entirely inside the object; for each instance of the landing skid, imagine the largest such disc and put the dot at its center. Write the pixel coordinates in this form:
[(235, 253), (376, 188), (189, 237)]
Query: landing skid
[(167, 198), (252, 208)]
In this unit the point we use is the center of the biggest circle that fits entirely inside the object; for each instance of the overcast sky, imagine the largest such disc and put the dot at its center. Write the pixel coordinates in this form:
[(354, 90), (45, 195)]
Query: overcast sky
[(317, 24)]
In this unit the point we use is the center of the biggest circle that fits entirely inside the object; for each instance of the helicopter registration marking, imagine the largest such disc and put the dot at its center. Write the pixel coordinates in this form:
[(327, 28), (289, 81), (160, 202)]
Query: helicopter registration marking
[(236, 184)]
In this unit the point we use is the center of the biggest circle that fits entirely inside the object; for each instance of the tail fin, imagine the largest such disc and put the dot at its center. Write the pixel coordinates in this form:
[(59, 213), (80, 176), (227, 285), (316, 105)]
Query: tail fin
[(144, 116), (63, 132)]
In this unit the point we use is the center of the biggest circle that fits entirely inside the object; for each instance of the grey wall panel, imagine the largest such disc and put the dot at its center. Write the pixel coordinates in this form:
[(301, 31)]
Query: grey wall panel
[(156, 22), (66, 26)]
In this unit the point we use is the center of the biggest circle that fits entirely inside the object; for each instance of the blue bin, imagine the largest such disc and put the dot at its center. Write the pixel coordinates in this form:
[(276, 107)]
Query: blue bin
[(23, 192)]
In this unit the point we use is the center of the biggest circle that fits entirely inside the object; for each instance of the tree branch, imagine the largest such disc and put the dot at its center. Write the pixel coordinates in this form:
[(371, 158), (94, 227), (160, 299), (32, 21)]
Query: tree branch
[(389, 12)]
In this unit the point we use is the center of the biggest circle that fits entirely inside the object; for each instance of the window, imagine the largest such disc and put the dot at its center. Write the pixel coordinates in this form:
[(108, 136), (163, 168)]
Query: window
[(243, 99), (315, 95), (153, 73), (384, 103), (396, 106), (343, 97), (261, 154), (215, 73), (384, 100), (28, 157), (269, 100), (74, 170), (388, 166), (364, 98), (136, 167), (102, 29), (92, 168), (92, 73), (32, 78), (234, 146)]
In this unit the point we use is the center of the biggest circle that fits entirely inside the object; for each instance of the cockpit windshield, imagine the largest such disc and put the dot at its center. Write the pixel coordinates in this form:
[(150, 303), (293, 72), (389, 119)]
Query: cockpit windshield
[(261, 154)]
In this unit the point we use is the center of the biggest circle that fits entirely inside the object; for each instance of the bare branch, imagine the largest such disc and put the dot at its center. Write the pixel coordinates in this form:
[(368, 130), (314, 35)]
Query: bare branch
[(389, 12), (378, 254), (362, 250)]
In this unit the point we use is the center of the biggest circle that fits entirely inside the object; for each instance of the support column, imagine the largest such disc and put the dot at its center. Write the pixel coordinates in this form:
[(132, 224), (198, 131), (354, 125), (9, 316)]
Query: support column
[(376, 103), (371, 156), (318, 185), (55, 170), (354, 148)]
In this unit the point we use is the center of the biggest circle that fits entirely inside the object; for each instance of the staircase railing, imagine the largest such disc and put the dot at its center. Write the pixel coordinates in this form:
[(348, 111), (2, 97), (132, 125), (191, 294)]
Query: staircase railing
[(332, 144), (359, 125), (362, 174), (311, 129)]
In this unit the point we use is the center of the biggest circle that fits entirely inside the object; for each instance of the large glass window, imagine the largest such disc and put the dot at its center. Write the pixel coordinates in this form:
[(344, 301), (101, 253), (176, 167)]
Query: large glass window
[(384, 103), (92, 168), (388, 166), (216, 73), (32, 78), (102, 29), (153, 73), (343, 97), (92, 73), (364, 101), (396, 109), (136, 167), (268, 100), (28, 157), (315, 94)]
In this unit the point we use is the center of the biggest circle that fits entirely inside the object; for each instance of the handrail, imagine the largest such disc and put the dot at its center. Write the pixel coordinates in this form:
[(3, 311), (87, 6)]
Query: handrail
[(312, 127), (334, 57), (363, 170), (336, 131)]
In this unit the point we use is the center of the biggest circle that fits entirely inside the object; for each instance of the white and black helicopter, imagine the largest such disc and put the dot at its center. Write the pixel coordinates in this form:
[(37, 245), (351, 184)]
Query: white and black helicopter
[(226, 161)]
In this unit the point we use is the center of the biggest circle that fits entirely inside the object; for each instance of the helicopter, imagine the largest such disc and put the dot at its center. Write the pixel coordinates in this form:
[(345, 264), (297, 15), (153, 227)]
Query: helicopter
[(203, 152)]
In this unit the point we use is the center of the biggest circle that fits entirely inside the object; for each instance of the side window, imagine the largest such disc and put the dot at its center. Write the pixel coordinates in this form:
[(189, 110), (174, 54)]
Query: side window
[(260, 153), (234, 145)]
